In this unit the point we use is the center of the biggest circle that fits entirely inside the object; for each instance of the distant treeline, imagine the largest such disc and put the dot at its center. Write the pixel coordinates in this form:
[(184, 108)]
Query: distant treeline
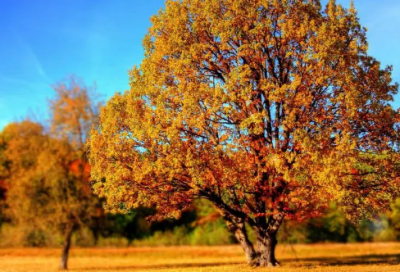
[(202, 226)]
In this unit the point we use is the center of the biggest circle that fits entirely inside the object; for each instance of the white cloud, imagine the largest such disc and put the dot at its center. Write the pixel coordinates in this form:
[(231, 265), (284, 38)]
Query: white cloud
[(30, 56)]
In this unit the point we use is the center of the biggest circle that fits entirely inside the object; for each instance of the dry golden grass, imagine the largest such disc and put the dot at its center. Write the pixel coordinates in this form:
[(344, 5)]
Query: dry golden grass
[(320, 257)]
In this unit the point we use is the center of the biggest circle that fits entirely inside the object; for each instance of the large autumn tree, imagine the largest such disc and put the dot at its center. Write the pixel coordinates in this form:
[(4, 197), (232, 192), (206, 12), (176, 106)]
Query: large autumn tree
[(269, 109)]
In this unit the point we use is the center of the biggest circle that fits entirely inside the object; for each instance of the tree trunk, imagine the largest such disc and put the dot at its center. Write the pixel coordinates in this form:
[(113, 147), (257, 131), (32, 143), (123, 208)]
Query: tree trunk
[(266, 238), (239, 230), (65, 249), (266, 243), (241, 236)]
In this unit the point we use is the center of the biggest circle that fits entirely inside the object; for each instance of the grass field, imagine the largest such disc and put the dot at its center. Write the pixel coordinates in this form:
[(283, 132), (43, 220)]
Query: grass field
[(320, 257)]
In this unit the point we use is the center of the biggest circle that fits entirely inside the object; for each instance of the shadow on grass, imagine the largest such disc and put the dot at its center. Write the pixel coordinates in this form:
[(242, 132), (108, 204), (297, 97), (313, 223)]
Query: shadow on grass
[(373, 259), (163, 266)]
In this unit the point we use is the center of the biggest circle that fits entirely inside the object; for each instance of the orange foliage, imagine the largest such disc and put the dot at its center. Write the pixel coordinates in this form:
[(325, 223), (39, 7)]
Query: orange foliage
[(76, 168), (262, 107)]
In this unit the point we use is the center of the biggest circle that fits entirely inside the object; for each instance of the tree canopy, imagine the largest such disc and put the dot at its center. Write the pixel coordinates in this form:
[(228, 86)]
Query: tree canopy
[(268, 109)]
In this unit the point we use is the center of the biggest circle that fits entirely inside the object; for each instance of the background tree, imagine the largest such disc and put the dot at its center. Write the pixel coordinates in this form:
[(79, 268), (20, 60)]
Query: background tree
[(390, 223), (46, 170), (73, 113), (22, 142), (268, 109)]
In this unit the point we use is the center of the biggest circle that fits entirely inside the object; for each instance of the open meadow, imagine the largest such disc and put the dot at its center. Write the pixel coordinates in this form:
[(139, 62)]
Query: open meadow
[(319, 257)]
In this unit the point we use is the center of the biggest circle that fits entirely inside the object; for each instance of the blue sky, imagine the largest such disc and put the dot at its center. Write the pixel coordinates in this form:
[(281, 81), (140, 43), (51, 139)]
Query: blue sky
[(44, 41)]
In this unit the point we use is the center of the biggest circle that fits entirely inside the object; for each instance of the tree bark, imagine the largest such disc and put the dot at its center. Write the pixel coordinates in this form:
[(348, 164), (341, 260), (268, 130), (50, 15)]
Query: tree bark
[(65, 249), (266, 243), (238, 228)]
